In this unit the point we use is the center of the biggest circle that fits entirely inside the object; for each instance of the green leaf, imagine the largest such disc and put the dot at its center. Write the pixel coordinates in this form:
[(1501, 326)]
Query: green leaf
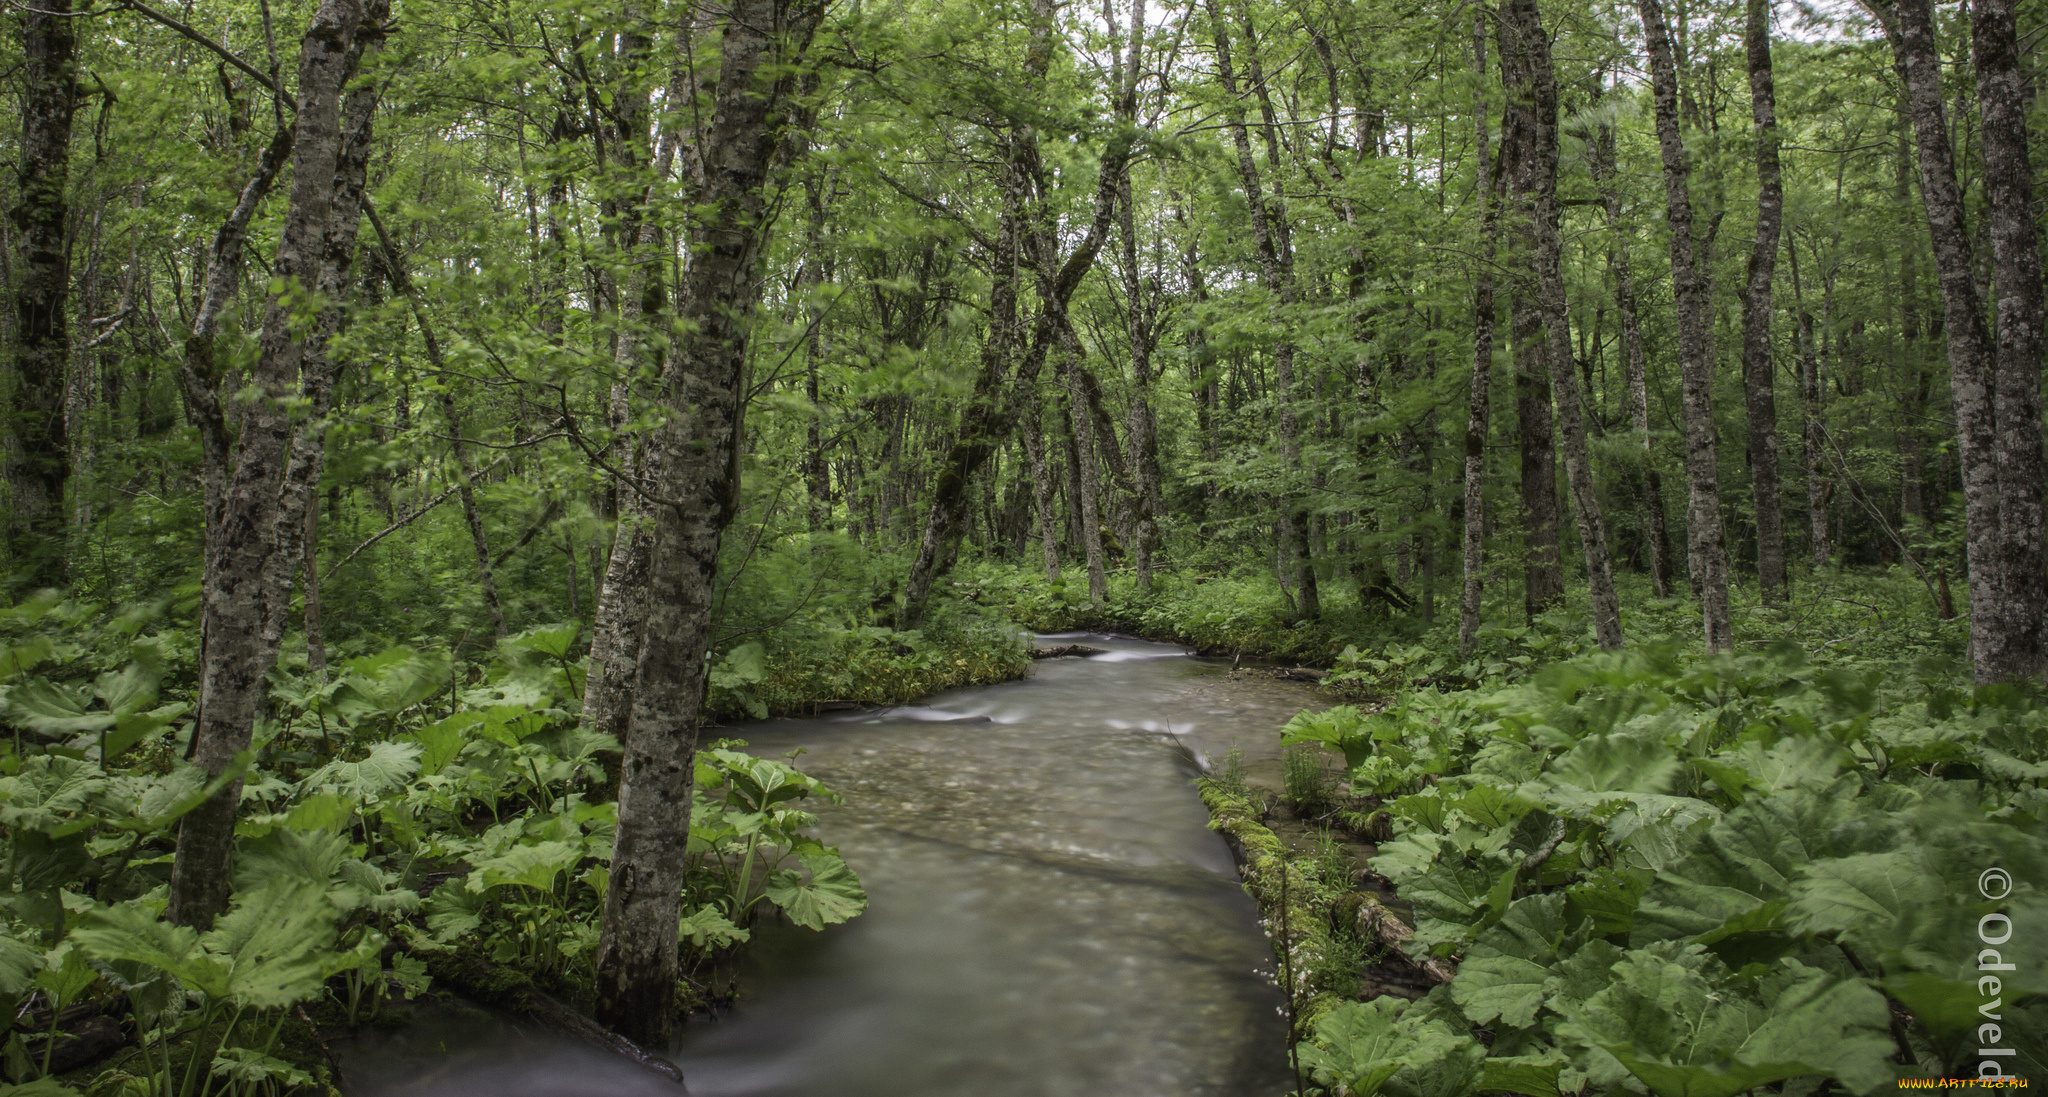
[(535, 866), (287, 857), (554, 641), (1864, 897), (251, 1067), (1750, 858), (130, 931), (41, 1087), (833, 894), (53, 709), (1504, 972), (708, 928), (441, 742), (389, 766), (65, 978), (19, 963), (274, 943), (1616, 763), (1358, 1045)]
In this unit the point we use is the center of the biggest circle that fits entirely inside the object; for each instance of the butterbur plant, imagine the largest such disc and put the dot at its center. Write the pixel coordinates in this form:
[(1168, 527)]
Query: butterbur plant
[(747, 845), (1700, 879)]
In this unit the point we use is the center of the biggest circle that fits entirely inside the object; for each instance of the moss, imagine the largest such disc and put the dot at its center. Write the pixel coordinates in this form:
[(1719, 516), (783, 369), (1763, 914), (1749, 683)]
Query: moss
[(1303, 927)]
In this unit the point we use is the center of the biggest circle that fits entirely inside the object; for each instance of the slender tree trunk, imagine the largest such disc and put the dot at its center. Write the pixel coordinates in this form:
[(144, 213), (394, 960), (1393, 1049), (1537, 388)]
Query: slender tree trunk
[(694, 464), (1705, 535), (1042, 488), (1531, 137), (40, 461), (316, 640), (1276, 269), (1090, 480), (1812, 391), (243, 536), (1757, 373), (2016, 260), (2000, 645), (1912, 371), (1140, 311), (1483, 340), (817, 473)]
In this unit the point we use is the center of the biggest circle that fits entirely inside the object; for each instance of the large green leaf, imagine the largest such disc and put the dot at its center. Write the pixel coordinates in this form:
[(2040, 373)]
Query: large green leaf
[(286, 856), (1749, 859), (1616, 763), (1392, 1045), (1504, 973), (389, 765), (536, 866), (274, 943), (833, 893), (53, 708)]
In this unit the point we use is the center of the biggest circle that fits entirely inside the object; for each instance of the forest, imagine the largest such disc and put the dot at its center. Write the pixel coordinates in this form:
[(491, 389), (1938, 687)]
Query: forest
[(440, 435)]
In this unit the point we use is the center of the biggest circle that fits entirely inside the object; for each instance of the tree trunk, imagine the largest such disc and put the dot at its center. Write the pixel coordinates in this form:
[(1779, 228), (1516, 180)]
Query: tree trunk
[(1999, 644), (1477, 421), (1141, 312), (1042, 487), (1812, 390), (1089, 480), (693, 463), (40, 461), (2002, 98), (243, 534), (1757, 374), (1531, 142), (1705, 536)]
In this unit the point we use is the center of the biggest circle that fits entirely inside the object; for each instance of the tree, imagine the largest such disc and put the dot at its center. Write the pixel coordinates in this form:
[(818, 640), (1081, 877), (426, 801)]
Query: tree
[(1695, 350), (1758, 373), (251, 532), (39, 457), (1530, 138), (693, 477)]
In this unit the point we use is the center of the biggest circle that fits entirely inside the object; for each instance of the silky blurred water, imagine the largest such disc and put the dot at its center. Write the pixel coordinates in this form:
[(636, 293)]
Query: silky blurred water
[(1050, 915)]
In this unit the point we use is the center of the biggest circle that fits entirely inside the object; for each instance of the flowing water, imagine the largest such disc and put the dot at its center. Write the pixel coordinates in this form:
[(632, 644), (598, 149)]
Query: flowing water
[(1050, 915)]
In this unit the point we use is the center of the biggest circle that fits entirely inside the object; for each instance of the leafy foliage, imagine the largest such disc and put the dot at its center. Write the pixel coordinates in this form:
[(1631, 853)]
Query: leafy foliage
[(1695, 878)]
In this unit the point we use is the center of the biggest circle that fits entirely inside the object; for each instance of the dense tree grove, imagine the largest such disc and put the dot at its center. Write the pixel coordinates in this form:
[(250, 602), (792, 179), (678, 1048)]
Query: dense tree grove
[(735, 331)]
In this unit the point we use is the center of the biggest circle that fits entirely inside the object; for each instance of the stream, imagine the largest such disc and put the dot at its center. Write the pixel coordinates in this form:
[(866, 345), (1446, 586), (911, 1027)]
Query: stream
[(1050, 915)]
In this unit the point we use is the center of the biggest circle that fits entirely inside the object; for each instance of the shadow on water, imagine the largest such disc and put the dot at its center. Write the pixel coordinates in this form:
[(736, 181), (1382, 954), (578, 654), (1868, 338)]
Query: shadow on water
[(1051, 916)]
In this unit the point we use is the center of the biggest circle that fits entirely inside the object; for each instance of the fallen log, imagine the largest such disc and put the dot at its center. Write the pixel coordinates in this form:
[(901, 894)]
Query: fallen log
[(1378, 923), (504, 989), (1298, 674)]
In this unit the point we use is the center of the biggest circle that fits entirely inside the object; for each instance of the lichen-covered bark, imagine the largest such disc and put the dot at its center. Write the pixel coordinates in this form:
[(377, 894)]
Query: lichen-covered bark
[(1704, 531), (1998, 642), (242, 533), (2022, 651), (1532, 140), (1480, 410), (39, 461), (1759, 394), (694, 476)]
